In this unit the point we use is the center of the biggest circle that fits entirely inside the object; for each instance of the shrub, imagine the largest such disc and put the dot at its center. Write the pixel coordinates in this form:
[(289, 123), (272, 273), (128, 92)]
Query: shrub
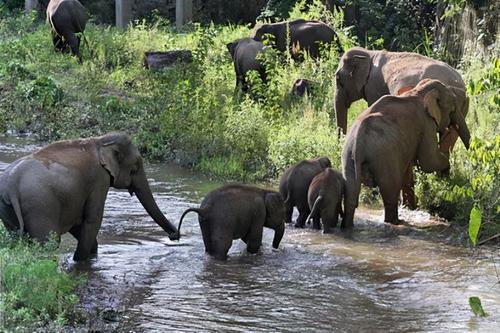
[(33, 289)]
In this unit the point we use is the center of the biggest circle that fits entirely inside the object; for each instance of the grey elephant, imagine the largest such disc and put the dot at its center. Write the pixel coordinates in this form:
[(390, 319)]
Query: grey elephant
[(238, 212), (66, 19), (63, 186), (325, 196), (294, 184), (244, 53), (393, 133), (369, 75), (302, 35)]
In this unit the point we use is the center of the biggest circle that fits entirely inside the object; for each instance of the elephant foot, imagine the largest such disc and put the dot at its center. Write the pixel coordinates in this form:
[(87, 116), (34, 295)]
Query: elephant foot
[(316, 226), (299, 225), (396, 222), (328, 231)]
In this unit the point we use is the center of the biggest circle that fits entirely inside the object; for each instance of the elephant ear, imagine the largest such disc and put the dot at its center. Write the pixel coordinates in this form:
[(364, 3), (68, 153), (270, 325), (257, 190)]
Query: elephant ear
[(230, 48), (109, 156), (432, 106), (324, 162), (361, 65)]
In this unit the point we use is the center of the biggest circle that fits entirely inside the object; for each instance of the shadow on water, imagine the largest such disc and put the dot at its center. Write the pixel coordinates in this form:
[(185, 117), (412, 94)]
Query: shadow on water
[(378, 278)]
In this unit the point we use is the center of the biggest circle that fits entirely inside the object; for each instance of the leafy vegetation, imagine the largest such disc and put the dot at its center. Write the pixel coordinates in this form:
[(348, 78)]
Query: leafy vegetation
[(192, 113), (33, 290)]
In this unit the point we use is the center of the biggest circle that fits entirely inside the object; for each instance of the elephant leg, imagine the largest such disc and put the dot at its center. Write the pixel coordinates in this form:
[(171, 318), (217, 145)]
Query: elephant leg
[(75, 232), (408, 189), (73, 42), (220, 248), (303, 214), (351, 197), (389, 190), (90, 226), (205, 231), (254, 238), (288, 212), (316, 223), (330, 220)]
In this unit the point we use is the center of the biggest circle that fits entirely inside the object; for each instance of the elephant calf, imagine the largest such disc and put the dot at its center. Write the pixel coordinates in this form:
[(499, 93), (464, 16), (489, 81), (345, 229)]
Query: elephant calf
[(238, 211), (244, 53), (392, 134), (325, 199), (294, 184), (66, 18), (63, 186)]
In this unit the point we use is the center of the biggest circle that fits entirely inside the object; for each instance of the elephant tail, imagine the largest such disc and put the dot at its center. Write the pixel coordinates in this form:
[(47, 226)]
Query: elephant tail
[(17, 209), (196, 210), (315, 207)]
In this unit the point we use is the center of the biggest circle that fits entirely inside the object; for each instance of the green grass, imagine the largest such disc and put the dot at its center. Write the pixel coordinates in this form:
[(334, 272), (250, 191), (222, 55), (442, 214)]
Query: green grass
[(33, 290)]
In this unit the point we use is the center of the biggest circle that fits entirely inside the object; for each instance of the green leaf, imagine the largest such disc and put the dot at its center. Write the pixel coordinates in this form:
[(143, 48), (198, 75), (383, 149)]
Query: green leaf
[(474, 224), (476, 307)]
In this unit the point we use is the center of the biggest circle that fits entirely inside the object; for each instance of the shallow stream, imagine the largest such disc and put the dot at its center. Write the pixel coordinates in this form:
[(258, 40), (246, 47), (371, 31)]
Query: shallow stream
[(380, 278)]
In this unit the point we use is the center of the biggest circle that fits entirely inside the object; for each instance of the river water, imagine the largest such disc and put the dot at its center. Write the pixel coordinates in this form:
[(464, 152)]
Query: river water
[(379, 278)]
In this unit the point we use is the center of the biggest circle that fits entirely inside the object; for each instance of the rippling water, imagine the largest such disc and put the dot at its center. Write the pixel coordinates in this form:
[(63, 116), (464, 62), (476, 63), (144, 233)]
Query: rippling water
[(378, 279)]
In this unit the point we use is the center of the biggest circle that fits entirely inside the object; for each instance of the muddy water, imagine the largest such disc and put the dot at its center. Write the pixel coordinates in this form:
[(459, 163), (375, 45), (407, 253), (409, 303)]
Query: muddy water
[(377, 279)]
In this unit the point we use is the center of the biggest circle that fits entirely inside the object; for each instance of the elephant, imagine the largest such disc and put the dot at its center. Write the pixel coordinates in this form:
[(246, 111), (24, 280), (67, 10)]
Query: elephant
[(66, 18), (294, 184), (301, 87), (325, 199), (369, 75), (238, 211), (244, 53), (298, 35), (63, 186), (395, 132)]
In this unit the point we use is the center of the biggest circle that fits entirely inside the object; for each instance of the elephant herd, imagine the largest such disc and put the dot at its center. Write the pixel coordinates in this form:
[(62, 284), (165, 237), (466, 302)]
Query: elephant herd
[(417, 109)]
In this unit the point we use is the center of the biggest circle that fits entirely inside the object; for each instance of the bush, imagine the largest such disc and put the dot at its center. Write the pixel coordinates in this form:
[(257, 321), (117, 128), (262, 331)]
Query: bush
[(34, 291)]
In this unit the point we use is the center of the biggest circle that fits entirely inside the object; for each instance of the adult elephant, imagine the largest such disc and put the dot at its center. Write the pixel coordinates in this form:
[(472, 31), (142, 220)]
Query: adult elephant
[(244, 53), (66, 19), (294, 184), (63, 186), (299, 35), (393, 133), (238, 212), (369, 75)]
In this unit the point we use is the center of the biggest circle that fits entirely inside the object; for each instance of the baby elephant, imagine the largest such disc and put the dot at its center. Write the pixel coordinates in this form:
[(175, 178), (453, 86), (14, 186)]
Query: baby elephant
[(239, 211), (294, 184), (325, 199), (244, 53)]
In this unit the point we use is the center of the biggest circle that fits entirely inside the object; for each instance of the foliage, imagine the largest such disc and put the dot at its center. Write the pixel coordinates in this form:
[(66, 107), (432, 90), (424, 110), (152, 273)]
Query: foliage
[(192, 113), (34, 291), (476, 307)]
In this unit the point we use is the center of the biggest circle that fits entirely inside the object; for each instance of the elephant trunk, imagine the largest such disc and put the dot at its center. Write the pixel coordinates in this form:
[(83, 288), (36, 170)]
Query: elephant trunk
[(341, 110), (278, 235), (141, 189), (458, 119)]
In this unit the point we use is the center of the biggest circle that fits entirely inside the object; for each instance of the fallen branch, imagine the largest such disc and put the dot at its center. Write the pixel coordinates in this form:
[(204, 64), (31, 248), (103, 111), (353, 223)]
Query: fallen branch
[(488, 239)]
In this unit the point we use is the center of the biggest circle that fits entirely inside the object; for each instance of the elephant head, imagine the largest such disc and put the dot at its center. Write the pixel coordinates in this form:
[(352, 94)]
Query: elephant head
[(446, 106), (122, 161), (351, 77), (275, 216), (324, 162)]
